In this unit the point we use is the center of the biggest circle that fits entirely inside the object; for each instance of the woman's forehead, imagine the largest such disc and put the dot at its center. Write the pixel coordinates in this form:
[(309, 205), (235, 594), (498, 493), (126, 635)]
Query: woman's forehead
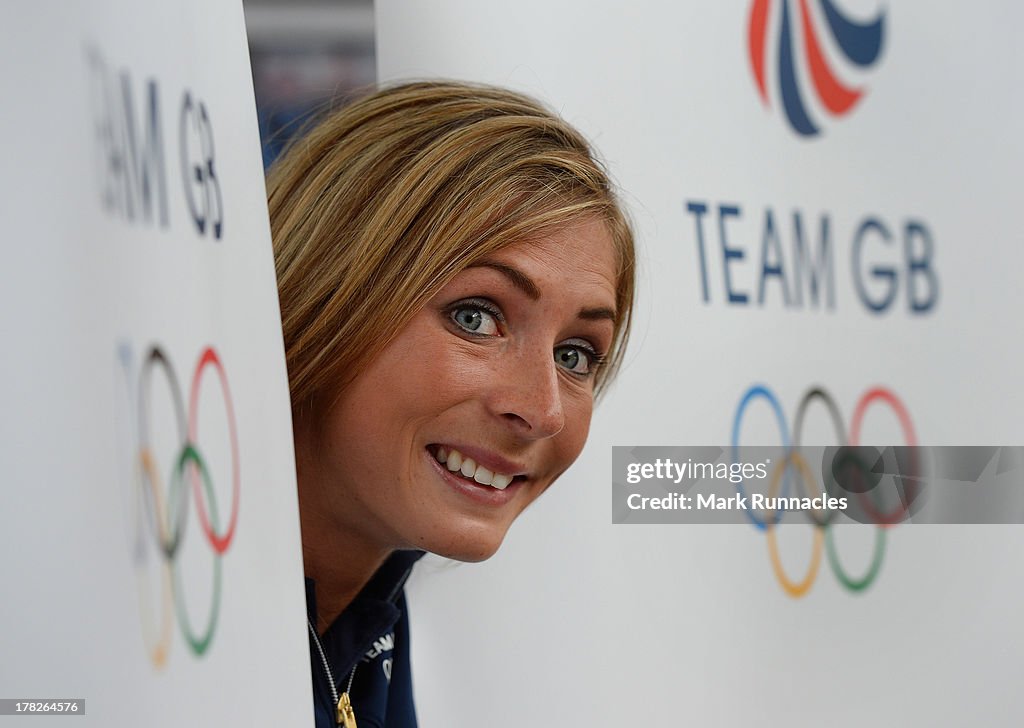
[(581, 256)]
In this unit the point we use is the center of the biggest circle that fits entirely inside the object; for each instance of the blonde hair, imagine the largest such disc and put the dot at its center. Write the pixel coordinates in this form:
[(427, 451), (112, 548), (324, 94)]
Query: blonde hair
[(385, 201)]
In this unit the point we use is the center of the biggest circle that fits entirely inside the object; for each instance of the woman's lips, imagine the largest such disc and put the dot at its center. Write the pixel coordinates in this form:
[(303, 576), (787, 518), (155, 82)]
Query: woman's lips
[(480, 492)]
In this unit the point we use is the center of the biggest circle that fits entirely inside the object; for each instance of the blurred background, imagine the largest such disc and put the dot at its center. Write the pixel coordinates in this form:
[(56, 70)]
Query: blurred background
[(306, 56)]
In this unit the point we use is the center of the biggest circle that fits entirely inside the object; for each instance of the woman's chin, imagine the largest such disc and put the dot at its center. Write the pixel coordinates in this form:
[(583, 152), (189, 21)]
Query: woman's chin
[(469, 547)]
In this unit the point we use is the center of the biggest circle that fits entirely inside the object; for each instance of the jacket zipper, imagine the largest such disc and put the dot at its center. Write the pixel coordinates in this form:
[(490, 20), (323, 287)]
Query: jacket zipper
[(344, 714)]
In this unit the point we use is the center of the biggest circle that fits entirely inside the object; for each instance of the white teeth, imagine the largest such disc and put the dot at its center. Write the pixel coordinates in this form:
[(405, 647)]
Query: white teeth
[(456, 462)]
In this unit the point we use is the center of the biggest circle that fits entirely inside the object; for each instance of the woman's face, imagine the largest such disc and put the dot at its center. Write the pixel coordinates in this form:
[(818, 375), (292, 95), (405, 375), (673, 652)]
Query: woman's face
[(489, 385)]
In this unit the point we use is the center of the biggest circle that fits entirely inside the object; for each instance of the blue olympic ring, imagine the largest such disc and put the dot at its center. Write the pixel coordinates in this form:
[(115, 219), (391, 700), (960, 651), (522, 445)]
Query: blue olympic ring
[(759, 390)]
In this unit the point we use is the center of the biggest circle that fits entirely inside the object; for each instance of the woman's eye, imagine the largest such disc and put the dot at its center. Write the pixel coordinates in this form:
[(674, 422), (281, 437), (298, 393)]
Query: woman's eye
[(577, 358), (476, 320)]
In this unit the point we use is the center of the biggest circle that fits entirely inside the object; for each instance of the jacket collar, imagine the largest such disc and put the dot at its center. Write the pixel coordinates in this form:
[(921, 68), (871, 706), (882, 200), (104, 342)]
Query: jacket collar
[(371, 614)]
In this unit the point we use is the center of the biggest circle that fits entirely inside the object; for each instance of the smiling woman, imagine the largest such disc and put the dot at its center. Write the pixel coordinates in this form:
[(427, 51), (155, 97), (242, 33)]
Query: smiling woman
[(456, 283)]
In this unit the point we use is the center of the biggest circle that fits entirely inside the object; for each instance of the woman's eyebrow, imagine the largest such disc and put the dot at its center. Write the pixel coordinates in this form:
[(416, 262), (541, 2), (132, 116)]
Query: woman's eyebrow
[(519, 279), (525, 284), (596, 314)]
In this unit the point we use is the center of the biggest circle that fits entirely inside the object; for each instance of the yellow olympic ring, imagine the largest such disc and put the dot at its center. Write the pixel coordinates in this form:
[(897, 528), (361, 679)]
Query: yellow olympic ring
[(160, 648), (794, 589)]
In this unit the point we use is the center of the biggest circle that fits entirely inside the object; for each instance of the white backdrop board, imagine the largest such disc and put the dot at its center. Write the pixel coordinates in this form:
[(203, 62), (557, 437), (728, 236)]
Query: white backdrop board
[(151, 561), (825, 194)]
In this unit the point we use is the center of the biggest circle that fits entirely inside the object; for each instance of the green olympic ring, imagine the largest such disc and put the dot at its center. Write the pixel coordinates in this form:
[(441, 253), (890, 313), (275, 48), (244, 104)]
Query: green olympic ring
[(199, 644)]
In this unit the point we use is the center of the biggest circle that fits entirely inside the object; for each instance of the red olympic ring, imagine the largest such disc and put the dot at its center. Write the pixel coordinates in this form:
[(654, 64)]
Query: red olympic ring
[(219, 543), (881, 393)]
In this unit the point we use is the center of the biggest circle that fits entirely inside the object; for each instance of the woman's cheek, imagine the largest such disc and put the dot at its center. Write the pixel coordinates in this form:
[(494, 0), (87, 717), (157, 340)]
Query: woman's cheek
[(462, 368)]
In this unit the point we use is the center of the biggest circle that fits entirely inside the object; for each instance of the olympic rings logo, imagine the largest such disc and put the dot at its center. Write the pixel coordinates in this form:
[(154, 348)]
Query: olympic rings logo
[(162, 516), (823, 537)]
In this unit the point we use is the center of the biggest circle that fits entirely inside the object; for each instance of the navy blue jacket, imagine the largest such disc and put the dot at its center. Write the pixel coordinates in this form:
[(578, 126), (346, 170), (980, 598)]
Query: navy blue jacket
[(372, 635)]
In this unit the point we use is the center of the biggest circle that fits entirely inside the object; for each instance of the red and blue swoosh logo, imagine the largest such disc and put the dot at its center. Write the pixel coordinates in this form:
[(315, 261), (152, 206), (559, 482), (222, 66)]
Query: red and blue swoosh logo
[(859, 43)]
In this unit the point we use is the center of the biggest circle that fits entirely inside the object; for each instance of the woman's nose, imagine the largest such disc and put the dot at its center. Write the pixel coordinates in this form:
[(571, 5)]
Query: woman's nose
[(528, 395)]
